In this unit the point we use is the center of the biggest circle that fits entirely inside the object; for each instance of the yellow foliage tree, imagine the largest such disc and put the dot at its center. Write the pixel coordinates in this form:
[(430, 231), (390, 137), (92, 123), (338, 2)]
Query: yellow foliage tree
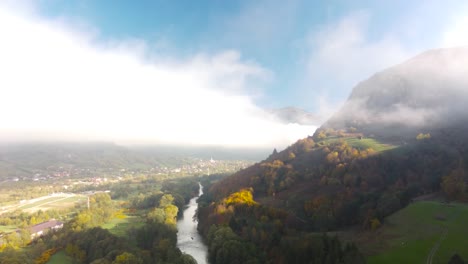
[(422, 136), (243, 196), (375, 223), (454, 185)]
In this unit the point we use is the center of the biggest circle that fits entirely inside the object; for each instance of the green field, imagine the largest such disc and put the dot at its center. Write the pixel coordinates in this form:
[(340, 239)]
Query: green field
[(7, 228), (119, 226), (361, 144), (55, 202), (366, 143), (410, 235), (61, 258)]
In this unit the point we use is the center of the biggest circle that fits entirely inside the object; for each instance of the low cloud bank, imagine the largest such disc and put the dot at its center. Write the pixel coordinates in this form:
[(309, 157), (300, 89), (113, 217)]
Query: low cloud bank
[(60, 83), (429, 89)]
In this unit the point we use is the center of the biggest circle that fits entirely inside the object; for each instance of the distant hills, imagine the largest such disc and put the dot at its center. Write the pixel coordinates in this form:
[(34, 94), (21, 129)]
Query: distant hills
[(402, 133), (25, 160)]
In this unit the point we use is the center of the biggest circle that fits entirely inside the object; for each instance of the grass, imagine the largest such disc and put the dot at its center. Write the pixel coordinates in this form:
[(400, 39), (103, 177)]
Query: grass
[(38, 203), (366, 143), (65, 203), (409, 235), (58, 202), (61, 258), (7, 228), (361, 144), (120, 226)]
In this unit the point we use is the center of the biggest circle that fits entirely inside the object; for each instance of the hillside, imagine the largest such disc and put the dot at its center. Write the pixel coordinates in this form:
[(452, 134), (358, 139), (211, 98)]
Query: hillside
[(421, 232), (401, 134), (425, 93)]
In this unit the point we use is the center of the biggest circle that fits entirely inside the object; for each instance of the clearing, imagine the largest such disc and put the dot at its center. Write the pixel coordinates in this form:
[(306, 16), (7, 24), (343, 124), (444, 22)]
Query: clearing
[(361, 144), (53, 201), (7, 228), (61, 258), (119, 226), (423, 232)]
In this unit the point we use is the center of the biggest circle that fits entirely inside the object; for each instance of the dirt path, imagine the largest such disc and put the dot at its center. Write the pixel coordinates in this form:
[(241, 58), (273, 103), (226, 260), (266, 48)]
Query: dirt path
[(436, 247), (437, 244)]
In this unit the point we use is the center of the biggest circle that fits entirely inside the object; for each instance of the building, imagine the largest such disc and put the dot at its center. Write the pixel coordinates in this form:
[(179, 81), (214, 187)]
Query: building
[(42, 228)]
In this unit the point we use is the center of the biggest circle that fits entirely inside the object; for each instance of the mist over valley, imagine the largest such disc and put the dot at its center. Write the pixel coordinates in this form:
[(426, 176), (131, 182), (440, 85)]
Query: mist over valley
[(233, 132)]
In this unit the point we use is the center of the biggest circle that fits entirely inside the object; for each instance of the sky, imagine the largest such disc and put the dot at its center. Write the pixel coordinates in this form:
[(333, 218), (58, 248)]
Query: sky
[(200, 72)]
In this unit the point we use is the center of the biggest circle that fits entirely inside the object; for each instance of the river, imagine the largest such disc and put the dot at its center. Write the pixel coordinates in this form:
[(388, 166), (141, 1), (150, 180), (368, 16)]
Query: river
[(188, 239)]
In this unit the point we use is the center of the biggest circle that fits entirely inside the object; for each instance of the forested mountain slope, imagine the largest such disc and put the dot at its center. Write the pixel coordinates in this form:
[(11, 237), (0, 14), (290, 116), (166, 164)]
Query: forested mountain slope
[(402, 133)]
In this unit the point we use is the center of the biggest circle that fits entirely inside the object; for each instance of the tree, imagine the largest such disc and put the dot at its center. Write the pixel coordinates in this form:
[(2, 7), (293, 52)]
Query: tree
[(157, 215), (187, 259), (321, 135), (456, 259), (75, 252), (166, 200), (422, 136), (126, 258), (375, 223), (171, 215), (454, 185)]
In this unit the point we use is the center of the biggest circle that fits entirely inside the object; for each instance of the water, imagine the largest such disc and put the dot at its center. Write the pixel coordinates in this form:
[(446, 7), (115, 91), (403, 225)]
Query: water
[(188, 239)]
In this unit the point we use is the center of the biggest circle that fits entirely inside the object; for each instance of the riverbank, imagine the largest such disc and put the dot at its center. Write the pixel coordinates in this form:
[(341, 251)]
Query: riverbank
[(189, 240)]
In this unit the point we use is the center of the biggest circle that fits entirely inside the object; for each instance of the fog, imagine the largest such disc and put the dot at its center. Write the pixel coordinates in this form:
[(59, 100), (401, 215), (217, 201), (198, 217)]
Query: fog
[(62, 82), (429, 89)]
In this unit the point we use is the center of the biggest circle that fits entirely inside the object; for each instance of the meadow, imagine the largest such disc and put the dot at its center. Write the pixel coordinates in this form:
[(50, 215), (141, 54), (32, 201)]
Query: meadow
[(58, 201), (120, 225), (361, 144), (61, 258), (7, 228), (423, 232)]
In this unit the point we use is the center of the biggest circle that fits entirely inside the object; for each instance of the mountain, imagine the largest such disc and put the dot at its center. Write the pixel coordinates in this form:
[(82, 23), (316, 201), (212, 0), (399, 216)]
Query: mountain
[(425, 93), (293, 115), (401, 134)]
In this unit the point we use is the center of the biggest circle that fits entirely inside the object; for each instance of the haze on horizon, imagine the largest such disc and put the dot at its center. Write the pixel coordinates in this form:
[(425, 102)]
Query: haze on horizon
[(64, 80), (61, 84)]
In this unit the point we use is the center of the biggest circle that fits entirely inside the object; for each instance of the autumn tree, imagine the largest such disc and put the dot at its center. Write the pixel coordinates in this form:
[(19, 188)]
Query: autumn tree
[(126, 258), (454, 185)]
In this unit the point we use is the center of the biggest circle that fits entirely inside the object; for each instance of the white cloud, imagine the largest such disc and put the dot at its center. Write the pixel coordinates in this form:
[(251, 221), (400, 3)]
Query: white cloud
[(343, 52), (59, 83), (456, 33)]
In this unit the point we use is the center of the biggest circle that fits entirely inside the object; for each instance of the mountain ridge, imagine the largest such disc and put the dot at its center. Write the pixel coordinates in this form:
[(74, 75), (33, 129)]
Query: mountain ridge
[(421, 94), (367, 161)]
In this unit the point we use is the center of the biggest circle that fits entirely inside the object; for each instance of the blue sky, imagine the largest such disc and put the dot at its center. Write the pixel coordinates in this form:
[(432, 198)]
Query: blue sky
[(202, 63), (274, 34)]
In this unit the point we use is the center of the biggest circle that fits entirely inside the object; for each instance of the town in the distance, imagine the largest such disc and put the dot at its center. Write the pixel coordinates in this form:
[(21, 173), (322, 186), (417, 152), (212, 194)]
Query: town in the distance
[(233, 132)]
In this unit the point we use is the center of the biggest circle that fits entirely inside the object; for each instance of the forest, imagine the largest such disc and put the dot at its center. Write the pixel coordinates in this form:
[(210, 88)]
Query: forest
[(328, 182), (151, 205)]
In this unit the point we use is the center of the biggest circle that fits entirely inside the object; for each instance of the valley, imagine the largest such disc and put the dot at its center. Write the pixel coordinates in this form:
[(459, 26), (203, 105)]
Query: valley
[(233, 132), (123, 206)]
